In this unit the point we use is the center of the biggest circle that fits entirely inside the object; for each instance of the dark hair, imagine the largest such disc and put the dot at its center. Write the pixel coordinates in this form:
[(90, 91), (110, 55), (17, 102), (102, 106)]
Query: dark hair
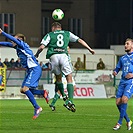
[(21, 36), (56, 24)]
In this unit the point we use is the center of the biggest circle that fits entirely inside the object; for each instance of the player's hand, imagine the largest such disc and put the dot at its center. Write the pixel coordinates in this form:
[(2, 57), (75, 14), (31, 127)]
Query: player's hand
[(1, 30), (92, 51), (36, 55), (114, 73), (129, 75)]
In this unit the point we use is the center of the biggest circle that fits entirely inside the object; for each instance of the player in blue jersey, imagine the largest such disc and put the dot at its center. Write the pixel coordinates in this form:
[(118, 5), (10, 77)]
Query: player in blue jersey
[(33, 69), (125, 88)]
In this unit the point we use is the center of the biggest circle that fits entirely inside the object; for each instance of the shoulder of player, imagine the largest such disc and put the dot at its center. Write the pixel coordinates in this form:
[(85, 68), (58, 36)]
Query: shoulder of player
[(123, 57)]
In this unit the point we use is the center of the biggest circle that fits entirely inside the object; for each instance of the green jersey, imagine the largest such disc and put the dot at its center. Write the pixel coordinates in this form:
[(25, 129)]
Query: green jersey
[(58, 41)]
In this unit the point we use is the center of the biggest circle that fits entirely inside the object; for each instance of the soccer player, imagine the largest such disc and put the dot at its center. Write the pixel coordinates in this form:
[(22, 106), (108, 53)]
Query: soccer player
[(64, 81), (57, 42), (34, 71), (125, 88)]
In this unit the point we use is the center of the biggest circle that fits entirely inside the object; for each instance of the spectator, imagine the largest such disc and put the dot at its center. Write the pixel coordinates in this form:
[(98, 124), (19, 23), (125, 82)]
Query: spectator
[(12, 63), (6, 63), (1, 64), (100, 65), (79, 64), (18, 63)]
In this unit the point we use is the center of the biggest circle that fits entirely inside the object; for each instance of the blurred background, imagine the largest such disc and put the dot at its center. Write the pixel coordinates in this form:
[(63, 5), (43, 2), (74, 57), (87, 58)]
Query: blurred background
[(100, 22)]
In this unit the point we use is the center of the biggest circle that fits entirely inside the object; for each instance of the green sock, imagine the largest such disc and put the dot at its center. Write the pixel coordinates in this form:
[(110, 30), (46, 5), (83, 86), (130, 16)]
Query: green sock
[(70, 90), (56, 97), (61, 88)]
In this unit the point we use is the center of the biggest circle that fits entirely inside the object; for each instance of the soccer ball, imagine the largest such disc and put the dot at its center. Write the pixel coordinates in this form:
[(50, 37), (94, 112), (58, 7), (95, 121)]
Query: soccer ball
[(58, 14)]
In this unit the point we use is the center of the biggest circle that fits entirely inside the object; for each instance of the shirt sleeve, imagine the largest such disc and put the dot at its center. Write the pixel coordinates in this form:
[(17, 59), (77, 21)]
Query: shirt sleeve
[(6, 44), (11, 38), (73, 38), (118, 66), (45, 41)]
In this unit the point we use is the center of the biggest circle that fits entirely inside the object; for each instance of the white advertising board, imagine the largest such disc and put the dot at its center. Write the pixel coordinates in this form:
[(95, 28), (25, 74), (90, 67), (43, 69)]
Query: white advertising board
[(82, 90), (92, 77)]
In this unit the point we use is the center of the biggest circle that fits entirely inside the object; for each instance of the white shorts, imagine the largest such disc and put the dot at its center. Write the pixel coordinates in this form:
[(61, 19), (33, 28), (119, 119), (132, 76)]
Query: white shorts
[(60, 64)]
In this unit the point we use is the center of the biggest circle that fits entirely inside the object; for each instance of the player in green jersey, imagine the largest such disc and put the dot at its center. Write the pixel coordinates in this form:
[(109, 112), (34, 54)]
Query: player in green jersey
[(57, 42), (64, 81)]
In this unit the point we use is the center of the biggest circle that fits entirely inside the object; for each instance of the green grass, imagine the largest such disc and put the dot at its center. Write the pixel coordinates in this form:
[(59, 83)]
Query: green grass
[(91, 116)]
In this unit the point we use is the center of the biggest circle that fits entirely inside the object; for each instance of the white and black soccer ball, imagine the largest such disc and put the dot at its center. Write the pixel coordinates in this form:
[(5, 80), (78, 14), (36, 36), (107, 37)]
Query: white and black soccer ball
[(58, 14)]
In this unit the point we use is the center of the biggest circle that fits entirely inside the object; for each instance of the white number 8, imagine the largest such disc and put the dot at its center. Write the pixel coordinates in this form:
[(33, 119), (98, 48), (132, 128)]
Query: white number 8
[(60, 41)]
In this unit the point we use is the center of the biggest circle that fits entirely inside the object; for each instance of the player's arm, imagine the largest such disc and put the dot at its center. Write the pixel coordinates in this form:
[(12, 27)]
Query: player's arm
[(118, 67), (40, 49), (6, 44), (45, 41), (74, 38), (86, 45), (9, 37)]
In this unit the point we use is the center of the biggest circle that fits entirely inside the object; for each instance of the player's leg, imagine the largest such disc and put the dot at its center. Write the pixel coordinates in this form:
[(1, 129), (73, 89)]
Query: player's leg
[(119, 94), (60, 84), (56, 97), (70, 87), (31, 81), (118, 103), (126, 115), (123, 109), (28, 93), (36, 74), (122, 106), (43, 93), (126, 96), (55, 63), (67, 71)]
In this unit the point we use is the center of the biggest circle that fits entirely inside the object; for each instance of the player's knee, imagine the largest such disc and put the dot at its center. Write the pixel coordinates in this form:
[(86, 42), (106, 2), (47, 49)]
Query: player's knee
[(118, 101), (21, 90), (124, 99), (24, 89)]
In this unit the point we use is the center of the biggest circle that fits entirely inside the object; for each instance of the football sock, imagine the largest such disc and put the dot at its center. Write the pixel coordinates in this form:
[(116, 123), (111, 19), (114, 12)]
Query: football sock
[(122, 112), (37, 92), (56, 97), (70, 90), (126, 116), (61, 88), (31, 98)]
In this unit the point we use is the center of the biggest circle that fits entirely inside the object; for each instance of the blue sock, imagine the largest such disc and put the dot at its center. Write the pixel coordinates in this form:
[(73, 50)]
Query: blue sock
[(37, 92), (31, 98), (119, 107), (126, 116), (122, 112)]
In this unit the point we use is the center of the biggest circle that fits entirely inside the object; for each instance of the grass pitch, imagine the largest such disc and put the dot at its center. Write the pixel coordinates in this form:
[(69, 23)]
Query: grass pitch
[(91, 116)]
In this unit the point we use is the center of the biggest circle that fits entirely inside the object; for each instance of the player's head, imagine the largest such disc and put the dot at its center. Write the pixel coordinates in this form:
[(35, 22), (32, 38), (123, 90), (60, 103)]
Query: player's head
[(56, 26), (20, 36), (129, 45)]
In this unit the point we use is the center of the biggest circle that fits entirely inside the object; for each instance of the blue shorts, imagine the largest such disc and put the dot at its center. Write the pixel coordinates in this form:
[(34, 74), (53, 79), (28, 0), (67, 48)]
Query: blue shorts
[(124, 90), (32, 77)]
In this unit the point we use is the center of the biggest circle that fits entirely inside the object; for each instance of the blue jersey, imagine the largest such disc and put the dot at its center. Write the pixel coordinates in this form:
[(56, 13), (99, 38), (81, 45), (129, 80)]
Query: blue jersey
[(23, 50), (125, 64)]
